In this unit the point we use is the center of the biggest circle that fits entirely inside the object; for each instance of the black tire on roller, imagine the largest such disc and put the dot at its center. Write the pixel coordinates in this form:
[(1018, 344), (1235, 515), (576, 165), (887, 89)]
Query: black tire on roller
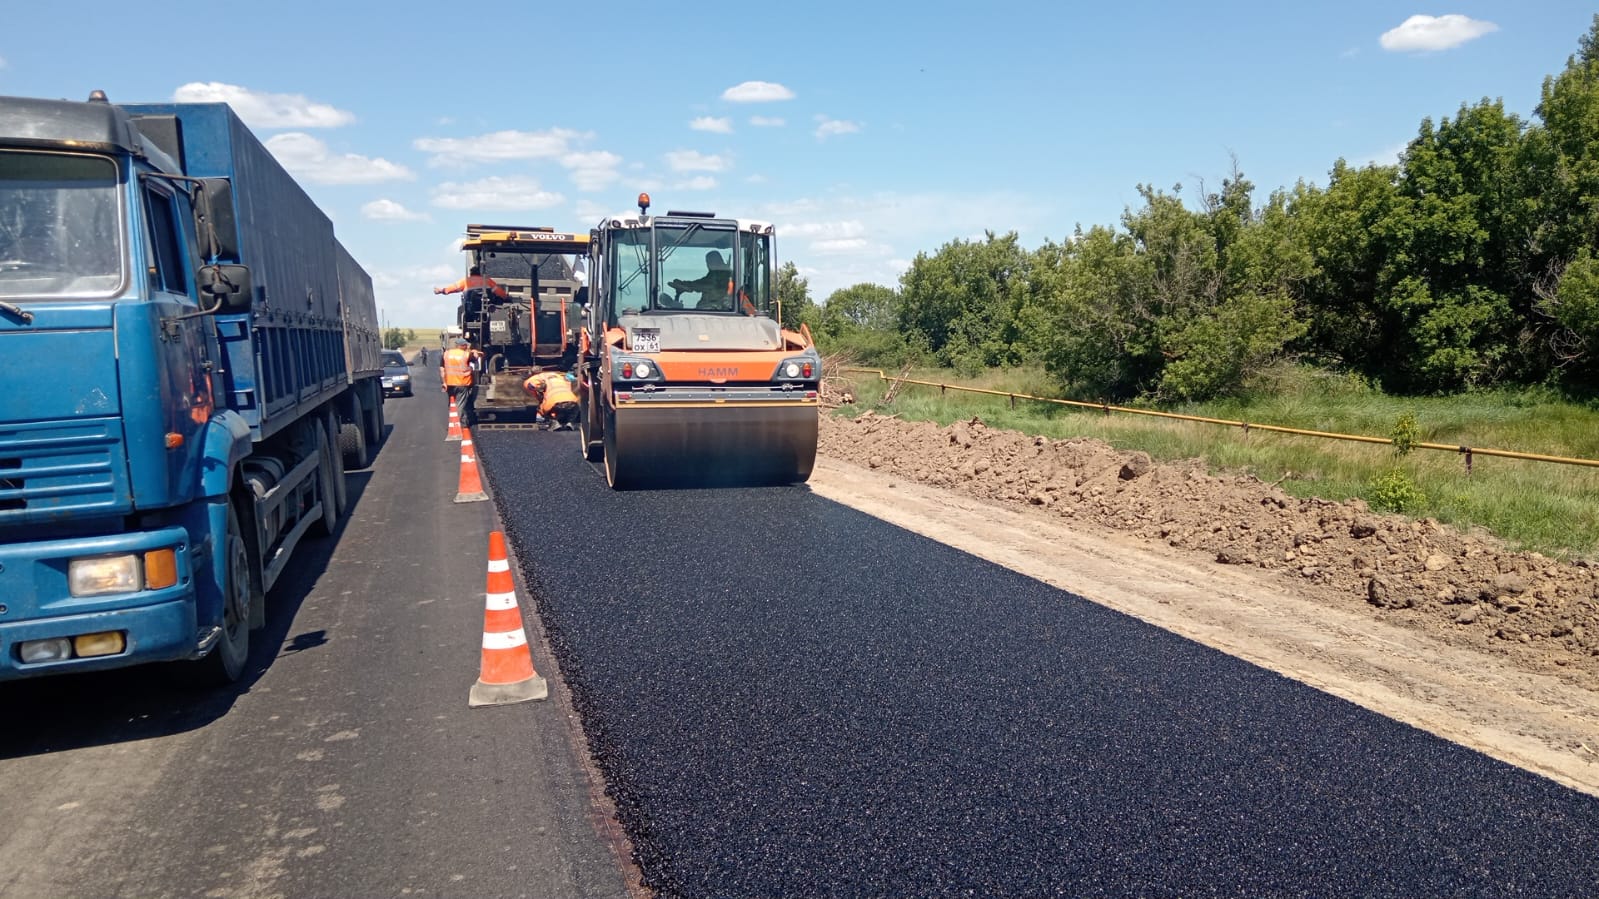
[(593, 450), (352, 443), (613, 472), (226, 662)]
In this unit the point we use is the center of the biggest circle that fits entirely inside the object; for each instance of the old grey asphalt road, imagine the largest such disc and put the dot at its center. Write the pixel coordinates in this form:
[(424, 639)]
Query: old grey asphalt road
[(348, 764)]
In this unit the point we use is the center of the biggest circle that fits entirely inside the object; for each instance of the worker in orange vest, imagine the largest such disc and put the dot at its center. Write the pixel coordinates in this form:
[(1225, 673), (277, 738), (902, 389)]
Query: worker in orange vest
[(474, 280), (460, 369), (553, 392)]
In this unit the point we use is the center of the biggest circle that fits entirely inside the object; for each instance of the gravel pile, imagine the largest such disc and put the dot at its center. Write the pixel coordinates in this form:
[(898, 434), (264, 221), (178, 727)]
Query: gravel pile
[(1465, 588)]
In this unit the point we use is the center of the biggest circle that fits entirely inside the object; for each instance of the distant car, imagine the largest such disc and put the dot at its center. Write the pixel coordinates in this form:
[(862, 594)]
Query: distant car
[(396, 374)]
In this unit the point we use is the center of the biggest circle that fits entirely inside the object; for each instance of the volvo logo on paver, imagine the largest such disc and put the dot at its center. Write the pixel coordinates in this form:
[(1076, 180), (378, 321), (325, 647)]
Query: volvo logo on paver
[(723, 371)]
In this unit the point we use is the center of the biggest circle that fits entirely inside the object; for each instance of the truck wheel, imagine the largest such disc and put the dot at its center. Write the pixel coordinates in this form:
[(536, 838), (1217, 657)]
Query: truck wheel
[(352, 443), (326, 488), (226, 661), (374, 435), (341, 494)]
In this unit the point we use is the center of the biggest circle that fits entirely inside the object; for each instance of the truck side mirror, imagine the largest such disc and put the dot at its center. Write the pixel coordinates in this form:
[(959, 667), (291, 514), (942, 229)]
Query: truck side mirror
[(214, 220), (225, 288)]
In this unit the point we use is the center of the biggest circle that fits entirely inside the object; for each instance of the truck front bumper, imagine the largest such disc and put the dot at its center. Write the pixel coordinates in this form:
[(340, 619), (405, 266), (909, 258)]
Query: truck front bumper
[(36, 604)]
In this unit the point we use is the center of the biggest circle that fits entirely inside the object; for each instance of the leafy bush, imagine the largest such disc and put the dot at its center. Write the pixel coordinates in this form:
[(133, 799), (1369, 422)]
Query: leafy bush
[(1396, 491), (1405, 434)]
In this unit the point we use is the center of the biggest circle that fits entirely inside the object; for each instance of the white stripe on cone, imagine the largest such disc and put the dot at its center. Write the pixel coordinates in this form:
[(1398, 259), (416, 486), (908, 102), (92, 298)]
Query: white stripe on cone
[(507, 640), (499, 602), (499, 565)]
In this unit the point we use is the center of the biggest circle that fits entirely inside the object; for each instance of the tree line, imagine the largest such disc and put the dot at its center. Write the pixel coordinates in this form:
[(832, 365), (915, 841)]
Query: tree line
[(1471, 262)]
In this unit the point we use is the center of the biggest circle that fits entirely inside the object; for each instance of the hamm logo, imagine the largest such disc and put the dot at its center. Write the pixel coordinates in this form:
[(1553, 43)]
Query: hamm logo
[(714, 372)]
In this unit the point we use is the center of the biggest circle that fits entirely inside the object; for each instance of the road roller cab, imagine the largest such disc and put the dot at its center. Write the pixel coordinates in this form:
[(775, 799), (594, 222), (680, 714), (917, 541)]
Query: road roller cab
[(685, 374)]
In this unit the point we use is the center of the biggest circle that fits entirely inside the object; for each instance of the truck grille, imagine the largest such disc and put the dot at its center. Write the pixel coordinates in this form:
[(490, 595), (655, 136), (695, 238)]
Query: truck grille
[(53, 468)]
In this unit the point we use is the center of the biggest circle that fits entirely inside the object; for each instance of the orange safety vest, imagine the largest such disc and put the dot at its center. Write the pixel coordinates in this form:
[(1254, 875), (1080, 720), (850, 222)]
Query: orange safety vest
[(550, 389), (476, 282), (457, 368)]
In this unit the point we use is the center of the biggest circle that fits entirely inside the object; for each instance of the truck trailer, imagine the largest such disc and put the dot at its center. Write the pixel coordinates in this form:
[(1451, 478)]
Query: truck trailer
[(192, 362)]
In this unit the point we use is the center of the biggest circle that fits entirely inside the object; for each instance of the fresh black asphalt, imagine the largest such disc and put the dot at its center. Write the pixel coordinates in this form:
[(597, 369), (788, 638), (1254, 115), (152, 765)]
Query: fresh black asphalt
[(790, 698)]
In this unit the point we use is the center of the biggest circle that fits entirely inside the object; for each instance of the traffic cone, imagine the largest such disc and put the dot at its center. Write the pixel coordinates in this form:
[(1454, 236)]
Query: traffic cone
[(454, 433), (507, 675), (471, 486)]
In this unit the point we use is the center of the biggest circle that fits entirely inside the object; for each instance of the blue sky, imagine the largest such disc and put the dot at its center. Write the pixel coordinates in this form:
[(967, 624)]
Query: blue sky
[(867, 132)]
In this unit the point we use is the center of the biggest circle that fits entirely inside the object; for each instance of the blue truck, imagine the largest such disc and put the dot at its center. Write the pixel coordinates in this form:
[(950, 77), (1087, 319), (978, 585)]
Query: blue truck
[(189, 362)]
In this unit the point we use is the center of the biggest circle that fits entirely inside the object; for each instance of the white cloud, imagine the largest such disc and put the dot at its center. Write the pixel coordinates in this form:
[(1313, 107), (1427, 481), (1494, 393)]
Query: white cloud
[(590, 211), (263, 110), (2, 62), (516, 193), (699, 182), (386, 210), (405, 294), (309, 158), (593, 170), (762, 121), (757, 92), (1425, 33), (830, 230), (712, 124), (756, 179), (827, 127), (695, 161), (1387, 155), (839, 240), (844, 245), (499, 146)]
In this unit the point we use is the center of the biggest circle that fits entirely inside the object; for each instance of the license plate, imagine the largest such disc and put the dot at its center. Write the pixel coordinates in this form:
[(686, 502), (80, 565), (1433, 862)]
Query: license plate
[(497, 325), (387, 382), (646, 340)]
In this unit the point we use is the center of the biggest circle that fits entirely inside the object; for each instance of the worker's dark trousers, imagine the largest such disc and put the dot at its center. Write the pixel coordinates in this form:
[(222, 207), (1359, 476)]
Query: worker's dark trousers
[(468, 410)]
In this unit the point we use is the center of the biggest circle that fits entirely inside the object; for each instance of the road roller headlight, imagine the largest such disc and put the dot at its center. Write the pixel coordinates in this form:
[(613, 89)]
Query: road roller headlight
[(638, 370)]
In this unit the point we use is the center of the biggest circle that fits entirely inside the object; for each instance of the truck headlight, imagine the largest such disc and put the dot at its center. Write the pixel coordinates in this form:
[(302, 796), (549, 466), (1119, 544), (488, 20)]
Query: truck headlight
[(105, 574)]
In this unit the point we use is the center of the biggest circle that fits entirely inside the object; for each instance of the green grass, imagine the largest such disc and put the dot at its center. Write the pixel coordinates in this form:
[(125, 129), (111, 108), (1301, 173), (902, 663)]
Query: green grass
[(1550, 508)]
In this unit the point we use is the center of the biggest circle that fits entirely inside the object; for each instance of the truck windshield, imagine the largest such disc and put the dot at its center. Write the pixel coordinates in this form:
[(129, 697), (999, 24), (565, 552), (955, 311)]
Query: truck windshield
[(697, 267), (60, 226)]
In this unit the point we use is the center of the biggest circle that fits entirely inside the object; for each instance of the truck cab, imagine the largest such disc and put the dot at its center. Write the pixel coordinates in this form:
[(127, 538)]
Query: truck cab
[(158, 459), (109, 382)]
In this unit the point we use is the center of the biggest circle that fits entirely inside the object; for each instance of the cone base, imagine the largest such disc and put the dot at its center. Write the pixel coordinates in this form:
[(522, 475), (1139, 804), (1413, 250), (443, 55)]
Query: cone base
[(483, 694), (471, 497)]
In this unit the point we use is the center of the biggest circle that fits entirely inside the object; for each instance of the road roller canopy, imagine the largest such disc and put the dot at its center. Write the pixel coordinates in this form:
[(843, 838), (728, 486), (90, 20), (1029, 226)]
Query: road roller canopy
[(688, 264)]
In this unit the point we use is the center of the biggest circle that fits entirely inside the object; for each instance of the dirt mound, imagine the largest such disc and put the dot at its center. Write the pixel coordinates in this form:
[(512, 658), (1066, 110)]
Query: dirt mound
[(1464, 588)]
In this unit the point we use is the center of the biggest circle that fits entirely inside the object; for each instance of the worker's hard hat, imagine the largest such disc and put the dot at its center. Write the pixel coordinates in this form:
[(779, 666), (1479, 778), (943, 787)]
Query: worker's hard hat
[(460, 341)]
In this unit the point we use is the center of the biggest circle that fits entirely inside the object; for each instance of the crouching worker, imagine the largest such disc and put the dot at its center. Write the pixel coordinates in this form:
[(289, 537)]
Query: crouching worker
[(553, 393)]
